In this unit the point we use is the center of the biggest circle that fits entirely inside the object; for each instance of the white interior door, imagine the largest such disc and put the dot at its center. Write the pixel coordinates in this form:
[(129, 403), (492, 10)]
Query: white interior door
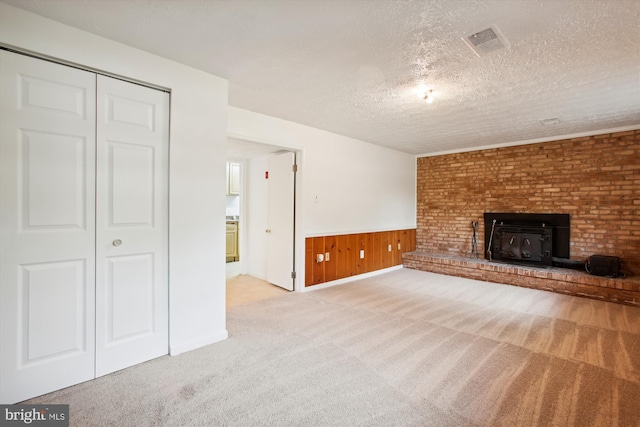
[(132, 225), (47, 226), (280, 232)]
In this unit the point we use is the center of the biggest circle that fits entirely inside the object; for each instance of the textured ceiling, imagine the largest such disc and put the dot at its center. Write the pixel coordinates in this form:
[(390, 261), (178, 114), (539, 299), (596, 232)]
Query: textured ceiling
[(352, 66)]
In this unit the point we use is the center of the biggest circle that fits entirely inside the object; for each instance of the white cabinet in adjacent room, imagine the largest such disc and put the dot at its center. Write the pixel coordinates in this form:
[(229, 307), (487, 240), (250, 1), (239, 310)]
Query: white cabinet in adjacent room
[(233, 179)]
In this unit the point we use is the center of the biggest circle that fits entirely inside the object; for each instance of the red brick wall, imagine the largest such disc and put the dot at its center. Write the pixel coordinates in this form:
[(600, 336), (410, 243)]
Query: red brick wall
[(594, 179)]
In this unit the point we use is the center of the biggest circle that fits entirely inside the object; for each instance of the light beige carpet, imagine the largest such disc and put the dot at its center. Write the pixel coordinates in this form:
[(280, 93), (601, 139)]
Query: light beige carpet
[(243, 289), (407, 348)]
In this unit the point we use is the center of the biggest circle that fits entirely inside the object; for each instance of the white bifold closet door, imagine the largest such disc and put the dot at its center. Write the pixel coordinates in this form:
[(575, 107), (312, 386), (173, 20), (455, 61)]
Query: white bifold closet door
[(83, 242), (131, 225)]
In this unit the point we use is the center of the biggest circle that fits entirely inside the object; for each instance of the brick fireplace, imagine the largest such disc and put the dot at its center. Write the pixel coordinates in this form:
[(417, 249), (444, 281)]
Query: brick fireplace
[(594, 180)]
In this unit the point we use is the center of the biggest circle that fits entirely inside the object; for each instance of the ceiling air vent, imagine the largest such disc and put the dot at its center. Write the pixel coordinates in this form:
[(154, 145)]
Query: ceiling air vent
[(550, 121), (485, 41)]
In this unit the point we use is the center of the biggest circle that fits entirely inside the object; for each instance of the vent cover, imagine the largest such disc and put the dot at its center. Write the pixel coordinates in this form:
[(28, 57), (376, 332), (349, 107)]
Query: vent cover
[(485, 41), (550, 121)]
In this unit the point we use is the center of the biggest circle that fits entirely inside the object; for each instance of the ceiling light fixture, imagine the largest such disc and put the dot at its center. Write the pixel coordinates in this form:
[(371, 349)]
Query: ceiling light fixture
[(425, 94)]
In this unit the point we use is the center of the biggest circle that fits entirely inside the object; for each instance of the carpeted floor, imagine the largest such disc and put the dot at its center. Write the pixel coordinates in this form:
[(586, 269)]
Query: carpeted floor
[(243, 289), (407, 348)]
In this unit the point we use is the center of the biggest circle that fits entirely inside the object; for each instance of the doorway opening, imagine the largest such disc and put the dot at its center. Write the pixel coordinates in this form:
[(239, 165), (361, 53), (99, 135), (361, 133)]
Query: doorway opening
[(252, 214)]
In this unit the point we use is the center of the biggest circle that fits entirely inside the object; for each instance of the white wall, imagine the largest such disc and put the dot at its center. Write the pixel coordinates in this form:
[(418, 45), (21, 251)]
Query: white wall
[(346, 185), (233, 205), (197, 164)]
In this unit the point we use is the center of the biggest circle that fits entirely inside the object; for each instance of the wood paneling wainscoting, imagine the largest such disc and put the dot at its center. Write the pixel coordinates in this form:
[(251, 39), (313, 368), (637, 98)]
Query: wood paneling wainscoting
[(341, 254)]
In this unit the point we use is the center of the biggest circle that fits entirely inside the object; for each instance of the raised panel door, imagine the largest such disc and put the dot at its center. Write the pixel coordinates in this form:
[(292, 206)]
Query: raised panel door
[(47, 226), (131, 225), (280, 209)]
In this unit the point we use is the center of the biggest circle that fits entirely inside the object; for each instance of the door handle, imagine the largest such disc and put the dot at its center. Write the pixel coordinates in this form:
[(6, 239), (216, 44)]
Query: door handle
[(117, 242), (268, 230)]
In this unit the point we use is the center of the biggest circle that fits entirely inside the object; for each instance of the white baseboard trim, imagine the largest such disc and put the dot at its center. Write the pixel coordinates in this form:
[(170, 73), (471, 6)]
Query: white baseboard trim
[(175, 350), (351, 279)]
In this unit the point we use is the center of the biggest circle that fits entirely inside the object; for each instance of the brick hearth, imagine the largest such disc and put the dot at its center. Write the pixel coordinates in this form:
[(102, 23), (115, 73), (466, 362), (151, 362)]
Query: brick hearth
[(566, 281)]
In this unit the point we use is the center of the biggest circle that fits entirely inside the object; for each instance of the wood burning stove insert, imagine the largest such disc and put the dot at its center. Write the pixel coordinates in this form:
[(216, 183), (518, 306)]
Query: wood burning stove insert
[(520, 238), (516, 243)]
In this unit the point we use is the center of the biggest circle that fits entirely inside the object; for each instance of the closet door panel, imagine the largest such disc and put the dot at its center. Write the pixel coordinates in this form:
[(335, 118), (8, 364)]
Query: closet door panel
[(47, 231), (52, 329), (132, 225), (51, 183), (131, 185)]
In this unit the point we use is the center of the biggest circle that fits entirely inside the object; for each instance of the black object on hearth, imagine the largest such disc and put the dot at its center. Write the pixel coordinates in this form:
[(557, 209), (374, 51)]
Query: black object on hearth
[(603, 265)]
